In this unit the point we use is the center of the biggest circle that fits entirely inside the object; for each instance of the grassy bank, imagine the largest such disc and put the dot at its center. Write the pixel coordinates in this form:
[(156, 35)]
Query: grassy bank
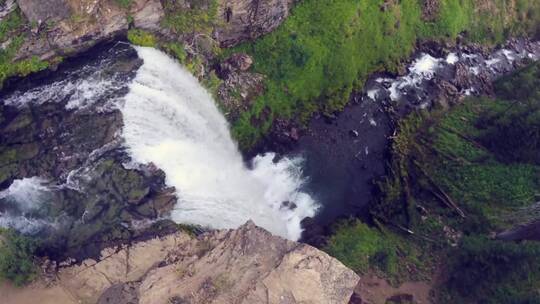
[(325, 49), (456, 178)]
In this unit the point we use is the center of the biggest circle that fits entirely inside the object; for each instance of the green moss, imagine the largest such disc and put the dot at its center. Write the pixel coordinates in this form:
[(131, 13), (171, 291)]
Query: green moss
[(12, 27), (177, 50), (142, 38), (16, 258), (200, 17), (9, 24), (124, 3), (362, 248)]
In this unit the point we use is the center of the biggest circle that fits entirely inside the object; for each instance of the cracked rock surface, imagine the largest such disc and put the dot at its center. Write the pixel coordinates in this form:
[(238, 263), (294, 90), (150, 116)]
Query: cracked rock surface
[(245, 265)]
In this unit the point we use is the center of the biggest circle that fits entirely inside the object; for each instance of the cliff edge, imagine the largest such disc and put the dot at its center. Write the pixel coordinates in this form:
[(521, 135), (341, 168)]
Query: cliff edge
[(246, 265)]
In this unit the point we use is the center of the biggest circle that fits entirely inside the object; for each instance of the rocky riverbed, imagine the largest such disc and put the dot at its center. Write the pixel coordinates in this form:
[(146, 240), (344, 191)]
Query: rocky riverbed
[(61, 172)]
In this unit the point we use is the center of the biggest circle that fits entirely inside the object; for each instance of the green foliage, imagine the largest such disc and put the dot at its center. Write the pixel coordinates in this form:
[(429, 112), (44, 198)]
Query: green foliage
[(200, 17), (142, 38), (9, 24), (124, 3), (212, 83), (362, 248), (16, 258), (513, 132), (11, 27), (177, 50), (488, 271), (325, 49), (445, 158), (454, 16)]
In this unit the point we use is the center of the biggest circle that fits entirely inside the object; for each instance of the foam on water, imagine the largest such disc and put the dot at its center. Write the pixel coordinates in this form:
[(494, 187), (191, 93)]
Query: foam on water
[(452, 58), (425, 65), (171, 121), (22, 197), (26, 192)]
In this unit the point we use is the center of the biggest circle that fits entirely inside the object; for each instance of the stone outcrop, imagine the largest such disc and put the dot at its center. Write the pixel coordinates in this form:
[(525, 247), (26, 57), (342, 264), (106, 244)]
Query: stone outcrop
[(75, 141), (72, 26), (246, 265), (239, 87), (66, 27), (248, 19), (45, 10)]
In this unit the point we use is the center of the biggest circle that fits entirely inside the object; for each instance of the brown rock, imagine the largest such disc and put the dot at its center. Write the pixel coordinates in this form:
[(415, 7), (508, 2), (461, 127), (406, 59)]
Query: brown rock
[(246, 265), (243, 20), (80, 24), (45, 10), (238, 62), (430, 9)]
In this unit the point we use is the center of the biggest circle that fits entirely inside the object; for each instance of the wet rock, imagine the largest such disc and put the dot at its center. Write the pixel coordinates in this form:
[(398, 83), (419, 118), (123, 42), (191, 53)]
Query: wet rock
[(52, 130), (447, 94)]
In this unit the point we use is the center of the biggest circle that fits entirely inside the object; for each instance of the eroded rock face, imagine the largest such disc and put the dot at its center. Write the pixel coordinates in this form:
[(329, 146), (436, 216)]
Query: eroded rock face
[(246, 265), (63, 127), (239, 87), (72, 26), (45, 10), (248, 19)]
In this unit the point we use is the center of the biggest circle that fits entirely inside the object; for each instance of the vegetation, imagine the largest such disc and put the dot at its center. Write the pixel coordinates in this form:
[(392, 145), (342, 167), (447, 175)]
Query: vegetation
[(488, 271), (364, 249), (16, 257), (454, 178), (325, 49), (12, 35), (142, 38), (200, 18), (124, 3)]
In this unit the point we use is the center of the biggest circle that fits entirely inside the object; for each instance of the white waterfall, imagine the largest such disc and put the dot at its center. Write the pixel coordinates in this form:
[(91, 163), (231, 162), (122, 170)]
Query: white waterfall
[(171, 121)]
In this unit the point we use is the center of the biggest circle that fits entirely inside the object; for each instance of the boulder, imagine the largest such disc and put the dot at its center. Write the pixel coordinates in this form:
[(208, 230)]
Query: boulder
[(242, 20), (45, 10), (245, 265)]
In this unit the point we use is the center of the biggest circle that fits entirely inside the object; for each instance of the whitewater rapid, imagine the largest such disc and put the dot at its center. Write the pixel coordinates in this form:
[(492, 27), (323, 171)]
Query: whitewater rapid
[(170, 120)]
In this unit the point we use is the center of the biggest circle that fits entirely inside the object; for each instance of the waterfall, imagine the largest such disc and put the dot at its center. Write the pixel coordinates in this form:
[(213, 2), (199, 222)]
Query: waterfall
[(170, 120)]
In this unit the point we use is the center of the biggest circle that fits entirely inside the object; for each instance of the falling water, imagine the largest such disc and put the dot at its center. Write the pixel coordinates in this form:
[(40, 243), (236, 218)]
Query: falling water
[(171, 121)]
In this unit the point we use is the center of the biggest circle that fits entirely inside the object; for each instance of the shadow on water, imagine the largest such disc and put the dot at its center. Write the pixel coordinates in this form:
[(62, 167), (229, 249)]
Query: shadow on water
[(343, 155)]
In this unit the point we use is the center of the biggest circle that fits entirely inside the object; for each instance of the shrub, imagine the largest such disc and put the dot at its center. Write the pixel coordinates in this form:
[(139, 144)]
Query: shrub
[(488, 271), (142, 38), (362, 248), (124, 3), (16, 258)]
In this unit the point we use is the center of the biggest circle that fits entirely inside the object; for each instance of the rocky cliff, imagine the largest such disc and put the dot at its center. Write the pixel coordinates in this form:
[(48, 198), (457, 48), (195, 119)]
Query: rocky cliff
[(65, 27), (246, 265)]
